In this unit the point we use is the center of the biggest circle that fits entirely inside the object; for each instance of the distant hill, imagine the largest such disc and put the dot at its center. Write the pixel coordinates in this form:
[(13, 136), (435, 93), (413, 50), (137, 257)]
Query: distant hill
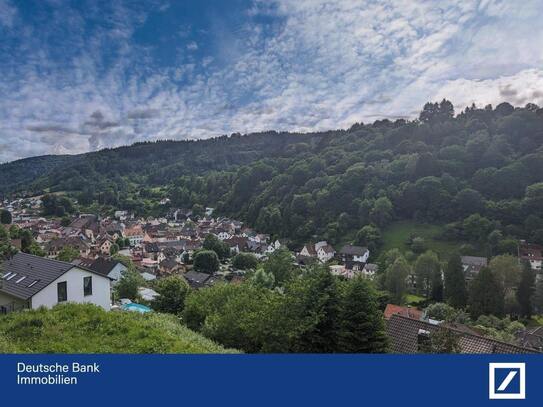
[(76, 328), (153, 163), (477, 174)]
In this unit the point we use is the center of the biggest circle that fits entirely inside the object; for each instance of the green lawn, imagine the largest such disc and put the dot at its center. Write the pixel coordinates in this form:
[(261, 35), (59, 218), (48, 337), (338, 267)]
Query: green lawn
[(413, 300), (397, 235)]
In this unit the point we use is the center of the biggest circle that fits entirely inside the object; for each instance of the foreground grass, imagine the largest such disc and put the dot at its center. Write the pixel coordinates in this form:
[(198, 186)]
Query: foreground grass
[(78, 328), (398, 233)]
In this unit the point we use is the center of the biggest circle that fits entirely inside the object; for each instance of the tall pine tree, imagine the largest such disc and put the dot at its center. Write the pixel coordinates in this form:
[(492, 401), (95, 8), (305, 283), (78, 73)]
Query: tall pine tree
[(486, 295), (362, 329), (456, 293), (526, 290)]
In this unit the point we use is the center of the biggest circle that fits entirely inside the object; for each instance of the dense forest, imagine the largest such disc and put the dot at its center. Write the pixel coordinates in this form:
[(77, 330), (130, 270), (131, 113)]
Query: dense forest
[(478, 173)]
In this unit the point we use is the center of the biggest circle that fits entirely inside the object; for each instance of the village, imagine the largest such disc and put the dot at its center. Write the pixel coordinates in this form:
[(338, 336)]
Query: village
[(161, 247), (166, 246)]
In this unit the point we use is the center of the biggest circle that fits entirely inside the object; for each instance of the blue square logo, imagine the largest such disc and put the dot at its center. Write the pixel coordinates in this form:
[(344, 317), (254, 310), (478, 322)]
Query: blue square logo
[(507, 381)]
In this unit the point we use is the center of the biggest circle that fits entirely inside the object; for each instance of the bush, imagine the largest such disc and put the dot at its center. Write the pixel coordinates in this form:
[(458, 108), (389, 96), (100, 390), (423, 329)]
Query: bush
[(172, 292), (245, 261), (206, 261)]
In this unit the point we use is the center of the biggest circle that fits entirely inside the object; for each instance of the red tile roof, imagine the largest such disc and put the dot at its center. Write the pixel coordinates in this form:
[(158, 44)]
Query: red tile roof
[(409, 312)]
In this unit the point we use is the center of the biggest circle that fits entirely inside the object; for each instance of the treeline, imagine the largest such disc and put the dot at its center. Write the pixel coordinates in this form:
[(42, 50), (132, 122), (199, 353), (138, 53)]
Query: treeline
[(504, 287), (277, 308), (480, 171)]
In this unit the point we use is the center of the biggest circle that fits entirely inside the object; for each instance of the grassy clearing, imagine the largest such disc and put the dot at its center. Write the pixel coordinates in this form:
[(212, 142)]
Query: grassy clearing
[(414, 300), (397, 235)]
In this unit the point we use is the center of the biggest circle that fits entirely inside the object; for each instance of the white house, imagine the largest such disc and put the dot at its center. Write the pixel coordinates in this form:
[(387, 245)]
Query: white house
[(325, 253), (223, 235), (272, 247), (31, 282), (135, 235)]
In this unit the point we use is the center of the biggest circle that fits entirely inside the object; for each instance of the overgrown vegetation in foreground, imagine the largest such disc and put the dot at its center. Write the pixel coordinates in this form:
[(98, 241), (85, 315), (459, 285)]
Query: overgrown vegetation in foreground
[(78, 328)]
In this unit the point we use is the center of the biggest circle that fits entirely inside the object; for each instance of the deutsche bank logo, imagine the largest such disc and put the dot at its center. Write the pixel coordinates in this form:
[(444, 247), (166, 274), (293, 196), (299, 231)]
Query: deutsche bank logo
[(506, 381)]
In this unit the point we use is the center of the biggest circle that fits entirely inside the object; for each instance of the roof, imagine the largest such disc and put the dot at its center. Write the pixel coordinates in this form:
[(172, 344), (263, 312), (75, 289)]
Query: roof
[(474, 261), (73, 241), (133, 231), (169, 263), (327, 249), (408, 312), (310, 249), (371, 267), (531, 251), (404, 333), (100, 265), (353, 250), (195, 278), (38, 273)]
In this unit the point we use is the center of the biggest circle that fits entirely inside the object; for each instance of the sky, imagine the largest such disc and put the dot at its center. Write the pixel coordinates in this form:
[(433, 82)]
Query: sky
[(78, 76)]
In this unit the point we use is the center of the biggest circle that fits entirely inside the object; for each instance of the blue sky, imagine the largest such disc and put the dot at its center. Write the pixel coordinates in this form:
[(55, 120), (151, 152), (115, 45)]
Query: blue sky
[(78, 76)]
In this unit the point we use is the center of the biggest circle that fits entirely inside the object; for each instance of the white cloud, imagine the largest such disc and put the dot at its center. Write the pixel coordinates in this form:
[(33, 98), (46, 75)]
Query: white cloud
[(8, 13), (326, 65)]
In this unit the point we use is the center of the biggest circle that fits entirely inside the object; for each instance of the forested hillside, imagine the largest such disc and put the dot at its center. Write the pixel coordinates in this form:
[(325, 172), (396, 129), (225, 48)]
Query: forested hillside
[(149, 163), (479, 172)]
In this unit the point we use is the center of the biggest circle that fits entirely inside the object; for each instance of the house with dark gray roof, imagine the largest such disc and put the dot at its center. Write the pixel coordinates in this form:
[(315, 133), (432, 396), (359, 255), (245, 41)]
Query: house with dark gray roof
[(196, 279), (107, 267), (408, 335), (29, 281), (354, 257), (472, 265)]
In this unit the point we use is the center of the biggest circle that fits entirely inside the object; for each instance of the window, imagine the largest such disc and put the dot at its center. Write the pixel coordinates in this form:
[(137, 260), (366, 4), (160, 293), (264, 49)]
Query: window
[(6, 275), (19, 280), (11, 276), (62, 291), (87, 285)]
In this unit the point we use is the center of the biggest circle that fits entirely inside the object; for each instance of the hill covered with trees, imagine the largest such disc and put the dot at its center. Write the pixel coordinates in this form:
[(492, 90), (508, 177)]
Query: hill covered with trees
[(478, 174)]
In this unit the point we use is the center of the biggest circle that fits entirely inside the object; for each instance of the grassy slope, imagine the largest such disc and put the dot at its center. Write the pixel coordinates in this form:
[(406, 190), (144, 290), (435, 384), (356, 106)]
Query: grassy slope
[(75, 328), (397, 235)]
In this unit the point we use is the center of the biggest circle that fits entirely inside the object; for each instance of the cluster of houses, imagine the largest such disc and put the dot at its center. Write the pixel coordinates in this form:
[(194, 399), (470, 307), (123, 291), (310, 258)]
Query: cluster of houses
[(348, 262), (158, 247)]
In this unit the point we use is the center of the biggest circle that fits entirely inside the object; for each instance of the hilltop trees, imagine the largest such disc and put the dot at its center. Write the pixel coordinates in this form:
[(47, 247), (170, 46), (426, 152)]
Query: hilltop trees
[(479, 171)]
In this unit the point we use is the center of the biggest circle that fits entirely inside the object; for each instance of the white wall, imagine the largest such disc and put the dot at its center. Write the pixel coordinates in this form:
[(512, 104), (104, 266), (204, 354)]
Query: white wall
[(116, 273), (74, 278)]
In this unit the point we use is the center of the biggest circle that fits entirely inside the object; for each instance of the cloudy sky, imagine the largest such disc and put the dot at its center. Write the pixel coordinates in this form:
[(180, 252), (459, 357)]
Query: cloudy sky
[(80, 76)]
